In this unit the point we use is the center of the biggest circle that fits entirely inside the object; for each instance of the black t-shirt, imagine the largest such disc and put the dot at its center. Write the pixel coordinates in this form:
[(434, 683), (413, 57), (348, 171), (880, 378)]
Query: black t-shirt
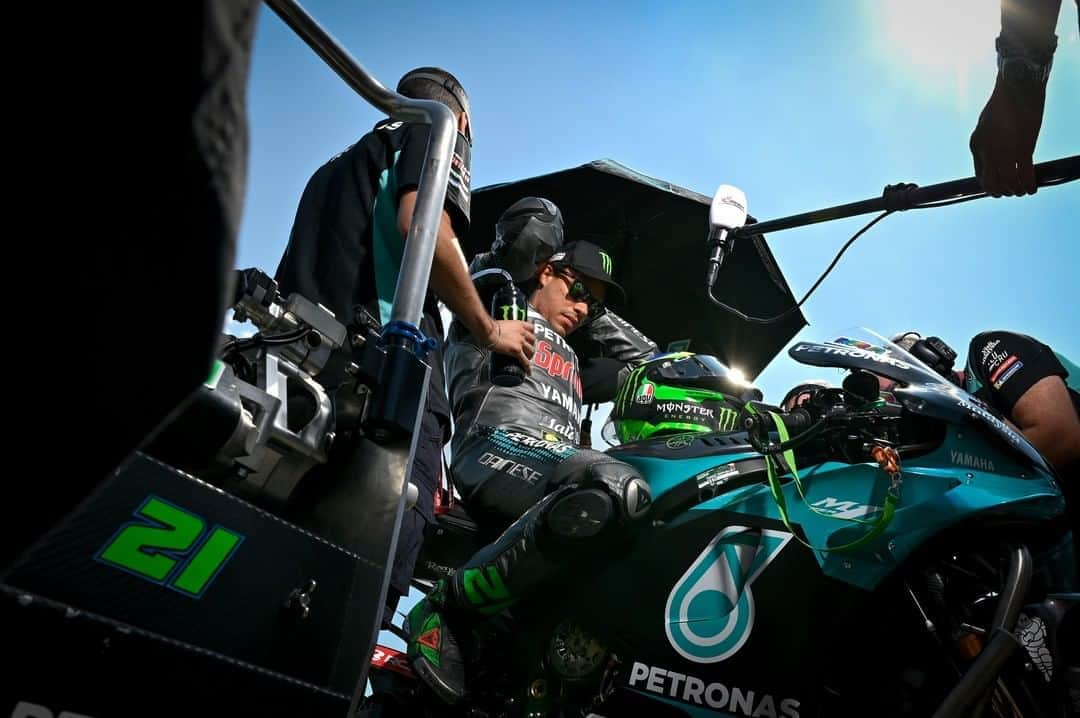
[(345, 248), (1002, 365)]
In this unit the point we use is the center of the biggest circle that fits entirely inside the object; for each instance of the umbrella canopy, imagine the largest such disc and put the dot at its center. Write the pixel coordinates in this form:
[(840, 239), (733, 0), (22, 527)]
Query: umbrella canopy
[(655, 233)]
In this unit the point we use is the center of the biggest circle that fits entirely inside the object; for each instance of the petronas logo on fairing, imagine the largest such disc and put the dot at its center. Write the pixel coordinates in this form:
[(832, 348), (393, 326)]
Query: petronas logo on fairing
[(710, 611)]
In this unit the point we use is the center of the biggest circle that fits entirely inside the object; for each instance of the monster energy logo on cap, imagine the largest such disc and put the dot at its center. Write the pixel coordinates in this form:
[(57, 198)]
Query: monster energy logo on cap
[(588, 260), (605, 258)]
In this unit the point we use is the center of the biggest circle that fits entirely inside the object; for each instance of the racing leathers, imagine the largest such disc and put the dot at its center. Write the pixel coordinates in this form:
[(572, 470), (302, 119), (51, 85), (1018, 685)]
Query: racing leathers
[(517, 464), (508, 440)]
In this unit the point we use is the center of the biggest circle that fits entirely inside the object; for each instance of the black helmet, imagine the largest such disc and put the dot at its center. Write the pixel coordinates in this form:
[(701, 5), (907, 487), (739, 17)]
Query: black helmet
[(527, 233), (932, 351)]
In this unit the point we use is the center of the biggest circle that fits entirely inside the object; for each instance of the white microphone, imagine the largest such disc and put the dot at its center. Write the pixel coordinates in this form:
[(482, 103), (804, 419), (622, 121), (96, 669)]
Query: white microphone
[(728, 211)]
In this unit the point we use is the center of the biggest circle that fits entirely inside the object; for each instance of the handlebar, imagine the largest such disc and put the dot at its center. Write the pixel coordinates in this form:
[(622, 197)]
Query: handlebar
[(758, 419), (796, 421), (854, 423)]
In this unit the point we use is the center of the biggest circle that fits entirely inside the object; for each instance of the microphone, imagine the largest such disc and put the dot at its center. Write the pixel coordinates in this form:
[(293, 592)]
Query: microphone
[(728, 211)]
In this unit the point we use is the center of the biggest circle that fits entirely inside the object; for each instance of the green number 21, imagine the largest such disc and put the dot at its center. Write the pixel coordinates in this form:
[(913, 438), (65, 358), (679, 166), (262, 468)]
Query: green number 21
[(171, 546)]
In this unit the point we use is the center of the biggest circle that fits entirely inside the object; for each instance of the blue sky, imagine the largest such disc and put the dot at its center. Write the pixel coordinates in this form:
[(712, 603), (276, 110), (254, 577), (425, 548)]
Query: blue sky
[(802, 105)]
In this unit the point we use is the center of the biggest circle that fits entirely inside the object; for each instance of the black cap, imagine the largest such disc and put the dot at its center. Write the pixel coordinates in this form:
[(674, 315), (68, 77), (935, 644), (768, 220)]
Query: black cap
[(591, 261), (440, 77)]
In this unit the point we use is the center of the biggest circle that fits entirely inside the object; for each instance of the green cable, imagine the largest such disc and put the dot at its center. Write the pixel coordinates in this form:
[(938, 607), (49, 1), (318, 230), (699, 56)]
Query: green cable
[(877, 526)]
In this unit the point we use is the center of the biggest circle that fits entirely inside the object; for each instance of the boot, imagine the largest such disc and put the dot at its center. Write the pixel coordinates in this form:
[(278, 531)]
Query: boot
[(488, 584), (432, 648)]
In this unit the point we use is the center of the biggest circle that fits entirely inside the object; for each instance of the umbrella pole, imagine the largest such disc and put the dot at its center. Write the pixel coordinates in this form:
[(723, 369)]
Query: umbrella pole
[(907, 196)]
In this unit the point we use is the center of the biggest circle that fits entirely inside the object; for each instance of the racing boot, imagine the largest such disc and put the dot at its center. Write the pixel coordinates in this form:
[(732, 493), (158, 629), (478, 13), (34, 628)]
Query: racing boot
[(595, 508), (432, 648), (476, 590)]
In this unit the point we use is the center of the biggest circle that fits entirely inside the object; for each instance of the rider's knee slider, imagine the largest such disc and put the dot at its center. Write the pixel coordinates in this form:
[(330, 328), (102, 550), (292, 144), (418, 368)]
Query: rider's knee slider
[(598, 492)]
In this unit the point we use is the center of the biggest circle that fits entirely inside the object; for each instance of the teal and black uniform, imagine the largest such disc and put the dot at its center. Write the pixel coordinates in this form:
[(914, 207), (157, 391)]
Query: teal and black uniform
[(345, 250), (1002, 366)]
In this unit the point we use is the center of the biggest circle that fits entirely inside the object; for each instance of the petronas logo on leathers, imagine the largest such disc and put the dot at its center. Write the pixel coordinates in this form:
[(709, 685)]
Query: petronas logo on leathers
[(710, 611)]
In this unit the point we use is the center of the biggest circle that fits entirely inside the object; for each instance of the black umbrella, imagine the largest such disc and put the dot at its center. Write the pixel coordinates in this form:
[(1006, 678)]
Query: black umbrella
[(655, 233)]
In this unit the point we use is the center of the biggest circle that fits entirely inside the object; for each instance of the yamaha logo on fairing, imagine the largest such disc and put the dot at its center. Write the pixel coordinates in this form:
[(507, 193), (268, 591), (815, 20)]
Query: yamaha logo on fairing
[(971, 461), (717, 696), (710, 611)]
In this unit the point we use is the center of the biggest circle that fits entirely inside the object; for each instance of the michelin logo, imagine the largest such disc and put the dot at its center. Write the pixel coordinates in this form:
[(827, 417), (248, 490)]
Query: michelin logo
[(691, 689)]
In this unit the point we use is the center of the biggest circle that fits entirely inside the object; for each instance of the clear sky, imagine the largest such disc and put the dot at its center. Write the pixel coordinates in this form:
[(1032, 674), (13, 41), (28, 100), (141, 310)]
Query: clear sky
[(802, 105)]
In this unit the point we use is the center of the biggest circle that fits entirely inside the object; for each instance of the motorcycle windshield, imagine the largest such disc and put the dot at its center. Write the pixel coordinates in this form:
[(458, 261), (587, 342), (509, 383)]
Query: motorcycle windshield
[(920, 389), (863, 349)]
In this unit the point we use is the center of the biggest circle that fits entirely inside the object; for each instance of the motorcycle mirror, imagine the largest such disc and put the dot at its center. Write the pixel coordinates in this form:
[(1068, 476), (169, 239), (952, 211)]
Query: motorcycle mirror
[(862, 384)]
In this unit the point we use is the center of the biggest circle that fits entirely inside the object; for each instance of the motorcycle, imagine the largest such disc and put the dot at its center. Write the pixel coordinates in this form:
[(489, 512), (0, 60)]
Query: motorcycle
[(864, 554)]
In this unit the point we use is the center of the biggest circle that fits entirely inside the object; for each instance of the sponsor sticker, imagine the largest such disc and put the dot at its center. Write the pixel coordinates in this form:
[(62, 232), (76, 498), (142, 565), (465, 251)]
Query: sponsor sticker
[(709, 614), (859, 344), (1008, 374), (645, 394), (1002, 367), (715, 696)]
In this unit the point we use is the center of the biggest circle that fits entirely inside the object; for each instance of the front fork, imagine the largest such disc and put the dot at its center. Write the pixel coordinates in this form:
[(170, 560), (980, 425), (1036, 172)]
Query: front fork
[(1046, 632)]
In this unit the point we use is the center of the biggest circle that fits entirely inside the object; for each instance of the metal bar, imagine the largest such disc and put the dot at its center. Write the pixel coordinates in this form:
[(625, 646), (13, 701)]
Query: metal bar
[(992, 659), (1065, 169), (431, 193), (1016, 585)]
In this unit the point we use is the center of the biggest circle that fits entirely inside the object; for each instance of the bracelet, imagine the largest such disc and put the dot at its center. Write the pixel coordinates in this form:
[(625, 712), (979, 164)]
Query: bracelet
[(498, 335)]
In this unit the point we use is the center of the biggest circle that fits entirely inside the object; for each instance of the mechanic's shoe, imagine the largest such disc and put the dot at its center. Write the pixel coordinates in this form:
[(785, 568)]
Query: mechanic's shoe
[(433, 650)]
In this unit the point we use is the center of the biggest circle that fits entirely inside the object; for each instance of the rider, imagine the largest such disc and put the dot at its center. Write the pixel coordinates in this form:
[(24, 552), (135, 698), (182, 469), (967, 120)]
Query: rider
[(515, 451)]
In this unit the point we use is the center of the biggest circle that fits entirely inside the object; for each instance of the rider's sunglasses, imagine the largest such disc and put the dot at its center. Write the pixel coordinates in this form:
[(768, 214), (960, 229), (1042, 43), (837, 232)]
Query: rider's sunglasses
[(578, 292)]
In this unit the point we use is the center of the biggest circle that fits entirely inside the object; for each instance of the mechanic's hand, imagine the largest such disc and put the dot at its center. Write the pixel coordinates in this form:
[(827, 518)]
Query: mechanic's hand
[(514, 338), (1004, 140)]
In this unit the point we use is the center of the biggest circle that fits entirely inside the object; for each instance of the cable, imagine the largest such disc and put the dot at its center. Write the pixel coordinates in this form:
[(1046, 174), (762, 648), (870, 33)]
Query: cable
[(782, 315), (240, 345)]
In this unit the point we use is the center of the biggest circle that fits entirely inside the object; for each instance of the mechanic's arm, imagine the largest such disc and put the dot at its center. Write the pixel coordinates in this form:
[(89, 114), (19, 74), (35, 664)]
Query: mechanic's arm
[(608, 346), (1004, 139), (619, 339), (450, 280), (1045, 415)]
